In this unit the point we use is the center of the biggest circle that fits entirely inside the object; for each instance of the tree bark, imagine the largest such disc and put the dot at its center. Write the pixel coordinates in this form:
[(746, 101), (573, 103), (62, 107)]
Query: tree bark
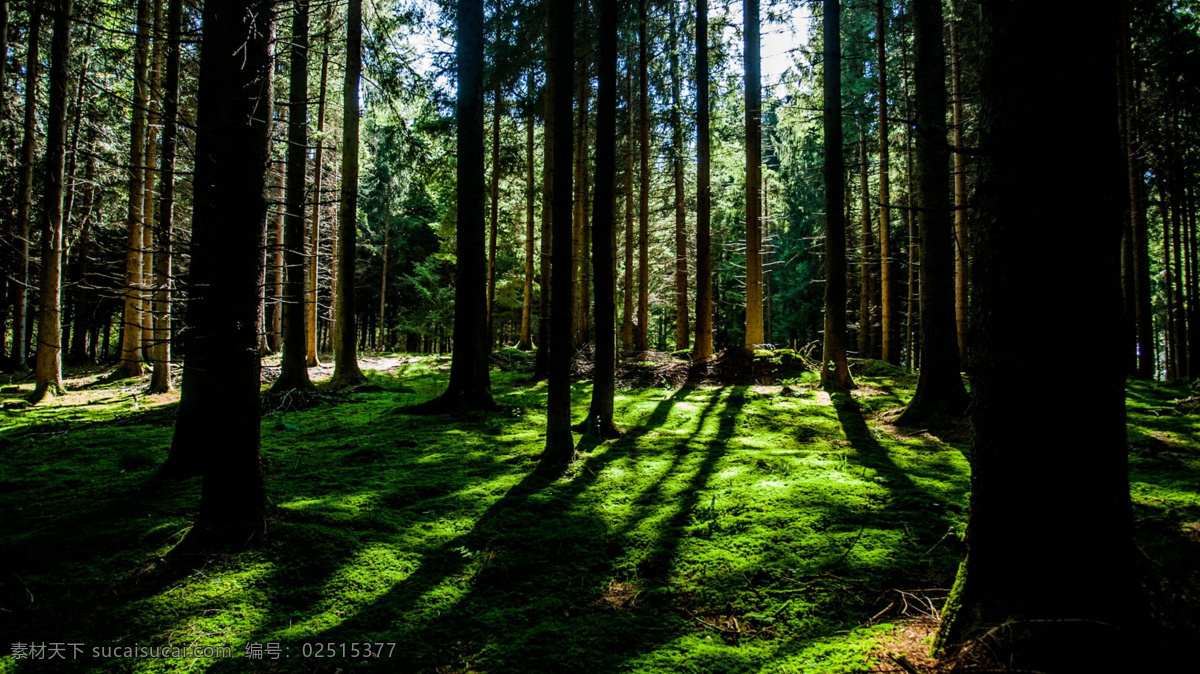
[(682, 326), (311, 307), (1022, 568), (867, 301), (345, 352), (560, 444), (48, 371), (526, 341), (494, 222), (641, 340), (754, 298), (25, 191), (130, 364), (221, 362), (940, 395), (293, 368), (383, 275), (887, 309), (541, 368), (704, 282), (600, 417), (961, 235), (835, 371), (160, 379)]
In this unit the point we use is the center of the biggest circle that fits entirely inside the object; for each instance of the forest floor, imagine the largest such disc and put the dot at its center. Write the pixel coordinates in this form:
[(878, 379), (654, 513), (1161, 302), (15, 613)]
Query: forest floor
[(747, 528)]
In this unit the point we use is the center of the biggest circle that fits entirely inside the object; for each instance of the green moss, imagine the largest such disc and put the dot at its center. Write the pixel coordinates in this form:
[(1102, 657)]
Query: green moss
[(730, 528)]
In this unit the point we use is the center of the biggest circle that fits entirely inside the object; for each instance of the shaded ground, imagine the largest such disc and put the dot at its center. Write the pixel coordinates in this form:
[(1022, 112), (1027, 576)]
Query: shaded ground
[(732, 529)]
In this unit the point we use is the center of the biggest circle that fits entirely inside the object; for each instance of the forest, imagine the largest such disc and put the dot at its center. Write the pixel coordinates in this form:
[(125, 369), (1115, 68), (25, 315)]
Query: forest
[(468, 336)]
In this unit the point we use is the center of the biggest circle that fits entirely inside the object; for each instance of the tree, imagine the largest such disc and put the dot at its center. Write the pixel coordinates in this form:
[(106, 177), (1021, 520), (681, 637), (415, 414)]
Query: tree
[(600, 417), (48, 370), (1068, 593), (345, 345), (470, 381), (526, 342), (25, 191), (130, 364), (160, 380), (641, 339), (754, 298), (221, 363), (704, 284), (314, 241), (682, 327), (961, 236), (293, 368), (835, 371), (890, 349), (560, 444), (940, 394)]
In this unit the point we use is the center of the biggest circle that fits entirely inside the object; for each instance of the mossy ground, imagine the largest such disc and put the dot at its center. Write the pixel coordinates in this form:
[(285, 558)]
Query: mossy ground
[(731, 529)]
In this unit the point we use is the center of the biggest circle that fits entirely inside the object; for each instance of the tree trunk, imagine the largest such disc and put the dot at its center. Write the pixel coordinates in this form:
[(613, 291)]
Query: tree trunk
[(25, 193), (887, 312), (160, 379), (600, 417), (293, 368), (470, 380), (704, 281), (150, 202), (835, 371), (641, 340), (3, 64), (682, 327), (130, 364), (275, 338), (383, 275), (345, 353), (83, 309), (582, 231), (494, 223), (560, 444), (542, 360), (311, 307), (629, 290), (867, 301), (754, 301), (48, 370), (526, 341), (221, 362), (961, 236), (940, 395), (1035, 563)]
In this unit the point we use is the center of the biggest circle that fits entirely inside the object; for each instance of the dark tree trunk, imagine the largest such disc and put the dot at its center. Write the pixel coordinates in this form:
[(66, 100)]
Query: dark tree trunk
[(494, 221), (345, 352), (940, 394), (293, 368), (541, 367), (48, 372), (526, 341), (1054, 564), (470, 381), (704, 281), (887, 310), (867, 301), (218, 423), (600, 417), (311, 309), (835, 371), (641, 339), (682, 327), (628, 285), (560, 444)]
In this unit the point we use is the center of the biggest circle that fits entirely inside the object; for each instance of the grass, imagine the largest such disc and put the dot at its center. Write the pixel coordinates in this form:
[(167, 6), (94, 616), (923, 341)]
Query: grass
[(731, 529)]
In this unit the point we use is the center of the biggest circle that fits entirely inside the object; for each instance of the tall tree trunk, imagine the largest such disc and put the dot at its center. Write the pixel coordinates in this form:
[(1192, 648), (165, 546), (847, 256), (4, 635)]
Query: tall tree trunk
[(627, 303), (560, 444), (704, 282), (345, 353), (494, 223), (383, 275), (150, 203), (470, 380), (835, 371), (600, 416), (293, 369), (83, 309), (641, 340), (312, 280), (160, 379), (867, 301), (961, 236), (682, 327), (1026, 567), (940, 394), (3, 61), (275, 338), (582, 235), (754, 303), (229, 212), (887, 312), (542, 360), (48, 370), (25, 191), (130, 364), (526, 341)]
